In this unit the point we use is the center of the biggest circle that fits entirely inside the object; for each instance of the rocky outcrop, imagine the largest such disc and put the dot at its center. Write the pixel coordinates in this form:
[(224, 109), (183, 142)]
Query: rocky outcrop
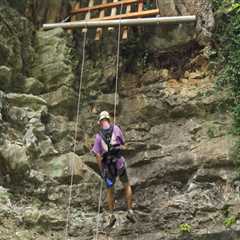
[(176, 125), (202, 9), (14, 161), (16, 49)]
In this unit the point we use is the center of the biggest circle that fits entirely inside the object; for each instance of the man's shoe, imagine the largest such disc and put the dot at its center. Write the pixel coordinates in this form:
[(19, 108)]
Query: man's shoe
[(130, 216)]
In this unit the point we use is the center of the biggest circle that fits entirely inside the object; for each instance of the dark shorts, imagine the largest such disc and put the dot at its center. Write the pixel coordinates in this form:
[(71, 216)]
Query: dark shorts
[(113, 173), (124, 176)]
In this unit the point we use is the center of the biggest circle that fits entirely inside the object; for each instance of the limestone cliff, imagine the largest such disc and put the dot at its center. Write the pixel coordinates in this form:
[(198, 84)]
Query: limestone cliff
[(176, 123)]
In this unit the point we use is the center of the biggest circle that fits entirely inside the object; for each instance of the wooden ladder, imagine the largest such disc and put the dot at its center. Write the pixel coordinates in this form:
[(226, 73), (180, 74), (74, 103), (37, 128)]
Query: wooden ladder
[(113, 10)]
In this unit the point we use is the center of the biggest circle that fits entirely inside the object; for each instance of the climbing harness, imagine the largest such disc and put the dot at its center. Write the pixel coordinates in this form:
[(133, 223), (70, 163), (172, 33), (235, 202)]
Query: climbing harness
[(106, 135), (75, 137)]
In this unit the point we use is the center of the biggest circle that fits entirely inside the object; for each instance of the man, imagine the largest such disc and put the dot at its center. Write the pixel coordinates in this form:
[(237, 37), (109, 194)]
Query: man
[(107, 148)]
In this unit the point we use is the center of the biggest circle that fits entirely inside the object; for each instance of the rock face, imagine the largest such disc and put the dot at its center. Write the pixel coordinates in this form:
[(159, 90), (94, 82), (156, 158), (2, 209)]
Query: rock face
[(202, 9), (14, 160), (16, 50), (176, 125)]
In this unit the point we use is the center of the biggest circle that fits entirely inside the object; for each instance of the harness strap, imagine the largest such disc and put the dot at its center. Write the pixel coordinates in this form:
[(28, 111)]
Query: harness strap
[(106, 135)]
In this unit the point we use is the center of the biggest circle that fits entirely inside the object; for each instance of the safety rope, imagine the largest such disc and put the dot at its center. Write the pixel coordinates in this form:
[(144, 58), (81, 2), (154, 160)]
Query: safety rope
[(75, 137), (117, 67), (157, 5), (99, 208)]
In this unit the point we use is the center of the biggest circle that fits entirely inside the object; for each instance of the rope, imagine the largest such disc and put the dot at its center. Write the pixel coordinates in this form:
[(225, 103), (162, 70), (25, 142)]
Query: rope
[(157, 5), (75, 137), (99, 208), (117, 68)]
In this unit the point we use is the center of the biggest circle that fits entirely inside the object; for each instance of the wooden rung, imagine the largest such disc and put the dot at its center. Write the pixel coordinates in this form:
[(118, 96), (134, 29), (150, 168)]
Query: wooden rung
[(130, 15), (125, 29), (113, 13), (99, 30), (88, 14), (73, 18), (76, 6), (140, 5), (103, 6)]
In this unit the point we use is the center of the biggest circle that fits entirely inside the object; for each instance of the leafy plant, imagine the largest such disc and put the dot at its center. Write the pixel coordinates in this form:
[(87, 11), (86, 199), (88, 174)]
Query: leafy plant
[(185, 228), (228, 222), (227, 44)]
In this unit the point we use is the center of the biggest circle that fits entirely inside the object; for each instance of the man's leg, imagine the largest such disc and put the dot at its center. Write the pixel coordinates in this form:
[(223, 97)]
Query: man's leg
[(128, 194), (127, 188), (110, 199), (111, 205)]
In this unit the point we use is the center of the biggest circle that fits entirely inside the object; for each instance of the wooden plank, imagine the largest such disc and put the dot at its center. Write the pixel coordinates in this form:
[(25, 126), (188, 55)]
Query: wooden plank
[(113, 13), (140, 6), (99, 30), (88, 14), (73, 18), (103, 6), (76, 6), (146, 13), (125, 28)]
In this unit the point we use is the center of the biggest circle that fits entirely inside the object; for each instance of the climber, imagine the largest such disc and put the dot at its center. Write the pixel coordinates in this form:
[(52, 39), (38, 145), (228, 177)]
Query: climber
[(107, 148)]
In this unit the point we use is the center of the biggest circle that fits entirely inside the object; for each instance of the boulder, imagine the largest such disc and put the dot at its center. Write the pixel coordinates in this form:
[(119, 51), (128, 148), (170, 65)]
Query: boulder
[(36, 137), (2, 104), (33, 86), (150, 77), (26, 100), (61, 101), (106, 101), (46, 148), (14, 160), (63, 166), (16, 47), (31, 216), (25, 234), (52, 219), (143, 108), (5, 78), (4, 196), (196, 75), (53, 67)]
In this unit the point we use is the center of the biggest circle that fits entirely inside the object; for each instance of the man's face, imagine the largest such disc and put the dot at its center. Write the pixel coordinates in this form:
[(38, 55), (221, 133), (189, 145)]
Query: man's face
[(104, 122)]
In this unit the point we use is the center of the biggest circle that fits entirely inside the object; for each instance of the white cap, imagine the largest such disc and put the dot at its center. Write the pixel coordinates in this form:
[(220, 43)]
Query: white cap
[(104, 115)]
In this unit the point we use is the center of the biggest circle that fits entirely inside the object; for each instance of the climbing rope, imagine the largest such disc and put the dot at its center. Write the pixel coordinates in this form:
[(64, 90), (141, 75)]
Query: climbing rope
[(75, 137), (157, 5), (114, 117), (117, 67), (99, 208)]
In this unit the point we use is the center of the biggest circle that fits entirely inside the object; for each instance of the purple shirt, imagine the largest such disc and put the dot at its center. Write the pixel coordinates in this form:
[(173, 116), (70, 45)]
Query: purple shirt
[(100, 147)]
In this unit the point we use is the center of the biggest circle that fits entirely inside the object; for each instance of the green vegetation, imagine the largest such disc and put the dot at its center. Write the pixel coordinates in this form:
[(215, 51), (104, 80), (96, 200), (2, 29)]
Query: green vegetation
[(228, 222), (185, 228), (18, 4), (227, 44)]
